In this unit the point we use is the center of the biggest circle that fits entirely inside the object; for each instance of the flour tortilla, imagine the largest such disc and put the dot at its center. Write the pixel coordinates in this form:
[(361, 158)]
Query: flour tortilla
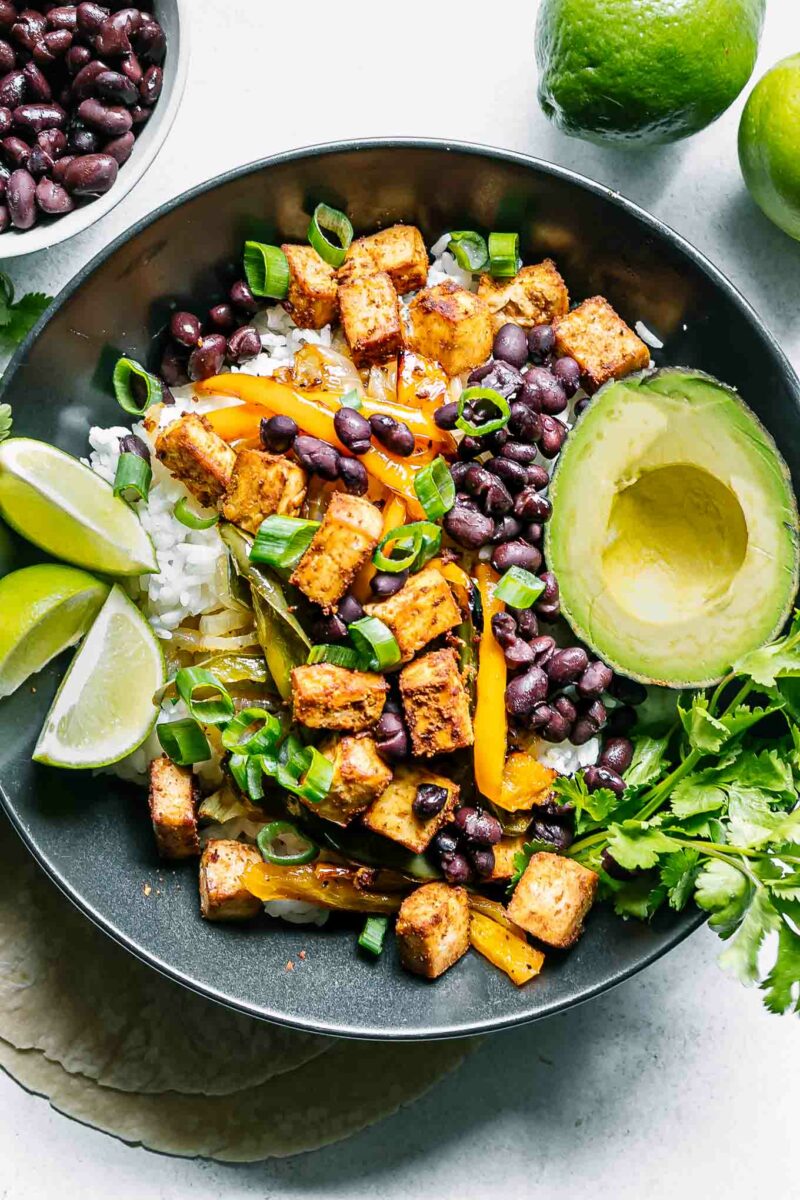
[(352, 1086), (70, 992)]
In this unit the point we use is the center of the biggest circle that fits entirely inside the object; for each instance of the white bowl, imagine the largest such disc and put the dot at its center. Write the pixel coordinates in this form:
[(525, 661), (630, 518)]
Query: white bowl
[(173, 16)]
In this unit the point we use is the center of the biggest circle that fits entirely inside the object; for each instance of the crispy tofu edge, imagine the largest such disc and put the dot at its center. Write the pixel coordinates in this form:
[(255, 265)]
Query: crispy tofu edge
[(222, 896), (394, 806), (172, 800), (433, 929), (443, 692), (316, 702), (549, 883)]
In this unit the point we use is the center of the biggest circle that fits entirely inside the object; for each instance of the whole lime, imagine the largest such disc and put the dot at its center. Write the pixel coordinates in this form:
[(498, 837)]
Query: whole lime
[(769, 144), (643, 71)]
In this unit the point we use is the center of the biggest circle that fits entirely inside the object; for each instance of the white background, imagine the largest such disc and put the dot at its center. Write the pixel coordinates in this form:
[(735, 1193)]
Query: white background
[(677, 1083)]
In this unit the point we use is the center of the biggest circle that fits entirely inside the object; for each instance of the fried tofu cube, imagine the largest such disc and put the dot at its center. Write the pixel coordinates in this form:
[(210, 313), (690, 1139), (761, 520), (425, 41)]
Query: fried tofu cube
[(433, 929), (505, 853), (600, 342), (263, 484), (223, 896), (452, 325), (325, 696), (173, 809), (436, 704), (344, 542), (370, 316), (360, 776), (197, 456), (399, 251), (313, 297), (393, 816), (423, 609), (552, 898), (535, 296)]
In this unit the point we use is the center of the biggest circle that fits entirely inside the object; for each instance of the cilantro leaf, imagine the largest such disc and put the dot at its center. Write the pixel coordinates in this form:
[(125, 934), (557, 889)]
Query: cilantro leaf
[(725, 892), (752, 820), (678, 875), (777, 659), (740, 956), (639, 897), (21, 317), (523, 857), (6, 421), (592, 808), (705, 732), (648, 763), (698, 793), (781, 987), (636, 845)]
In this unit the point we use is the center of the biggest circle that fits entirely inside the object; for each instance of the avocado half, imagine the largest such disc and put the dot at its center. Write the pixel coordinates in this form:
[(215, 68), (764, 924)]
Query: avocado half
[(674, 535)]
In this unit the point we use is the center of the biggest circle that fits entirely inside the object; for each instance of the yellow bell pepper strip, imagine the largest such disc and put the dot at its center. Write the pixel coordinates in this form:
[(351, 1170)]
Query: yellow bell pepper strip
[(237, 423), (421, 382), (394, 515), (318, 883), (526, 782), (495, 911), (511, 954), (490, 720)]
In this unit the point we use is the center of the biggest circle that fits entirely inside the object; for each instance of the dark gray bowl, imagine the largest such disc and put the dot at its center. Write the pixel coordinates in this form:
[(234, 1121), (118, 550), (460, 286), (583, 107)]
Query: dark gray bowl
[(91, 834)]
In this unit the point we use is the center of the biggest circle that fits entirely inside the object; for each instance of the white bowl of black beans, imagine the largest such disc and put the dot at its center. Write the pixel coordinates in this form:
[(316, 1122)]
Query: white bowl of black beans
[(88, 93)]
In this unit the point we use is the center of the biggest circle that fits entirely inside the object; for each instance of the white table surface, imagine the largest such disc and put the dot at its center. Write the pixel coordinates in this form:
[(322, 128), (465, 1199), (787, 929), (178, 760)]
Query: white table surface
[(677, 1082)]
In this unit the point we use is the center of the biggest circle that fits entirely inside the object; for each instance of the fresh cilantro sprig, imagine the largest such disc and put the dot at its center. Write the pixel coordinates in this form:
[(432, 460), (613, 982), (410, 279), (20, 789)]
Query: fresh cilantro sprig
[(17, 317)]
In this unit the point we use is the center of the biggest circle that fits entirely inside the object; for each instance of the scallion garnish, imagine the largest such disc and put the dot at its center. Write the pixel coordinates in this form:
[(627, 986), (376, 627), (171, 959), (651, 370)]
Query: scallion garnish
[(339, 656), (469, 250), (252, 731), (283, 843), (135, 388), (247, 771), (503, 254), (372, 935), (206, 698), (415, 545), (351, 399), (282, 541), (519, 588), (133, 478), (435, 489), (335, 222), (308, 775), (292, 755), (472, 395), (375, 643), (267, 270), (183, 513), (183, 741)]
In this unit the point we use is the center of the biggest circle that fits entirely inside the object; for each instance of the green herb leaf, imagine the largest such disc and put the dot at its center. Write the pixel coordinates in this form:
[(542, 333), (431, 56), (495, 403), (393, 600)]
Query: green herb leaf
[(678, 875), (740, 956), (640, 897), (781, 987), (705, 732), (725, 892), (777, 659), (21, 318), (591, 807), (636, 845), (523, 857), (648, 763)]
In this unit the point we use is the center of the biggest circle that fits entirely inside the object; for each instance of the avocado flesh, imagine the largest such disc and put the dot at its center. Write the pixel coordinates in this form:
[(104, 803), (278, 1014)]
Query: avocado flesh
[(674, 535)]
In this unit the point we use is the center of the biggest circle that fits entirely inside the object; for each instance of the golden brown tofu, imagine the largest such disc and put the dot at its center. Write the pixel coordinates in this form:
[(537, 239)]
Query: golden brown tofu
[(339, 549), (370, 316), (223, 897), (312, 300), (436, 704), (359, 776), (552, 898), (325, 696), (263, 484), (505, 852), (423, 609), (399, 251), (433, 929), (393, 816), (173, 809), (452, 325), (600, 342), (535, 296), (192, 452)]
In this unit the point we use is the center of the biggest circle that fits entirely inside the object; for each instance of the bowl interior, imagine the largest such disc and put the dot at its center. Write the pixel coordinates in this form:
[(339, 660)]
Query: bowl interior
[(92, 832)]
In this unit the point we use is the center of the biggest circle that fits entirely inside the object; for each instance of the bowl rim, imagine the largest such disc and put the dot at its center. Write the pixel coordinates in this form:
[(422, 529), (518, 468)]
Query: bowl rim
[(45, 237), (689, 922)]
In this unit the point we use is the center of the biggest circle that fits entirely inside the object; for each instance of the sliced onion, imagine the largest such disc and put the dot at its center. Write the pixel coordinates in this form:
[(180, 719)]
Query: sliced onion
[(225, 621), (201, 643), (322, 367)]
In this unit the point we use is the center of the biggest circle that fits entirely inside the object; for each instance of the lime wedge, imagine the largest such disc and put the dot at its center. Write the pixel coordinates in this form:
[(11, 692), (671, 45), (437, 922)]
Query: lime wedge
[(45, 609), (57, 503), (104, 708)]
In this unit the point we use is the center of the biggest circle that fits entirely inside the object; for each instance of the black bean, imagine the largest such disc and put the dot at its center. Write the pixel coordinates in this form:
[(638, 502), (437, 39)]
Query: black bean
[(567, 665), (467, 526), (519, 452), (476, 479), (518, 654), (525, 691), (5, 122), (506, 529), (544, 647), (63, 16), (13, 89), (557, 729), (531, 505), (524, 422), (317, 457), (131, 68), (584, 729), (548, 396), (617, 754), (541, 342), (612, 868), (458, 473), (83, 85), (222, 318), (39, 162), (349, 609), (112, 38), (627, 691), (53, 46), (513, 474), (185, 328), (446, 841), (497, 500), (533, 533), (8, 57), (131, 444), (241, 296), (566, 708), (582, 406), (21, 199), (151, 42), (595, 679), (353, 475), (16, 151), (469, 447), (393, 747), (207, 357), (394, 435), (511, 345), (429, 800), (568, 374), (114, 86), (112, 120), (5, 175), (90, 17), (478, 826), (554, 434), (278, 433), (28, 28), (550, 593), (173, 362), (151, 85), (120, 148), (538, 717), (83, 141), (516, 554), (596, 711), (53, 142), (8, 14), (482, 859), (621, 721), (352, 430), (494, 442), (504, 628), (243, 344), (446, 416), (480, 373), (36, 84), (77, 58), (503, 378), (558, 835), (527, 624), (384, 584), (537, 477), (456, 869), (330, 628), (602, 777)]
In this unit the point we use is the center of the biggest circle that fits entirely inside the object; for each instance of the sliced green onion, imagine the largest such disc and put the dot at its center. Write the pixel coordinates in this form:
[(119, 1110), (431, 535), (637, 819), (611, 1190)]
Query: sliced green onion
[(292, 754), (503, 254), (135, 388), (340, 656), (310, 777), (335, 222), (247, 771), (283, 843), (519, 588), (372, 935), (183, 741), (489, 395), (376, 643), (133, 477), (184, 514), (214, 709), (240, 736), (469, 250), (435, 489), (351, 399), (267, 270), (282, 541), (420, 541)]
